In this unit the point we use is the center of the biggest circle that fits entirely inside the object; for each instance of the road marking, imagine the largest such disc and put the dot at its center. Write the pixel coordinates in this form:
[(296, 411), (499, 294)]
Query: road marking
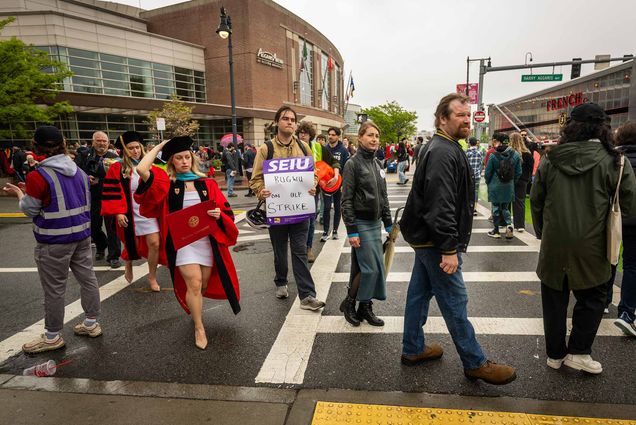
[(12, 215), (264, 235), (287, 359), (13, 345), (436, 325), (35, 270), (471, 249), (468, 277)]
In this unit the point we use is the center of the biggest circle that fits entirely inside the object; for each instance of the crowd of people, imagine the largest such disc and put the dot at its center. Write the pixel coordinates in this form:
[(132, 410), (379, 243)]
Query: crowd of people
[(571, 189)]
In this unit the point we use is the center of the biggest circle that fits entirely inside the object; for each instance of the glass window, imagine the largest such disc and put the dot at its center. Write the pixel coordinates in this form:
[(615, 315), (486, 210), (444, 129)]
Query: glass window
[(115, 67), (112, 58), (306, 72), (113, 75), (162, 67), (87, 63), (163, 74), (82, 53), (85, 72)]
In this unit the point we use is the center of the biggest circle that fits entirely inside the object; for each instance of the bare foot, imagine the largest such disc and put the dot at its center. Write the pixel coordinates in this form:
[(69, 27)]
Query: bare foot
[(154, 286), (128, 273), (200, 340)]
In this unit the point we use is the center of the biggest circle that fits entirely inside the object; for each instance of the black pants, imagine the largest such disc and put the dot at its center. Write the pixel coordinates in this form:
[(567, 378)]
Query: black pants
[(109, 239), (248, 174), (519, 206), (586, 318), (326, 212), (296, 236)]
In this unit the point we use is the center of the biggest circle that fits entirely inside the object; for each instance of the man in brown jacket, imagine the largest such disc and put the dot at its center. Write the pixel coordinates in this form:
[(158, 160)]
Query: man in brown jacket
[(286, 145)]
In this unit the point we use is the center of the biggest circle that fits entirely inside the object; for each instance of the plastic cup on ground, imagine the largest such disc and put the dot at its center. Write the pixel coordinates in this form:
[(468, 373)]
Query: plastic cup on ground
[(41, 370)]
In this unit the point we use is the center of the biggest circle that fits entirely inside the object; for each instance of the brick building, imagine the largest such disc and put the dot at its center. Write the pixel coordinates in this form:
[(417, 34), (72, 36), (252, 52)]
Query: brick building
[(127, 61)]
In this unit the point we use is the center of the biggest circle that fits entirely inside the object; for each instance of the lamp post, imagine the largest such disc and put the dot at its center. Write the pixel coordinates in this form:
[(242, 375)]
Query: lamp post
[(225, 31)]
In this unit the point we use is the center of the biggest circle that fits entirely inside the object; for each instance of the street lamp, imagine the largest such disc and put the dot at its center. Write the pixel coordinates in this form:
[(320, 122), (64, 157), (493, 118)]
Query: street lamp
[(225, 31)]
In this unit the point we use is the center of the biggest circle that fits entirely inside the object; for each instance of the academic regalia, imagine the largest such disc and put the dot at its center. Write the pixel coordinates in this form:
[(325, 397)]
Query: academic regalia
[(158, 197), (117, 199)]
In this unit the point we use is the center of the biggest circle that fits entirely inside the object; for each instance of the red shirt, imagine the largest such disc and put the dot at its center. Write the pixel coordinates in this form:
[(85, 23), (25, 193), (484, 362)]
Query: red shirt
[(37, 187)]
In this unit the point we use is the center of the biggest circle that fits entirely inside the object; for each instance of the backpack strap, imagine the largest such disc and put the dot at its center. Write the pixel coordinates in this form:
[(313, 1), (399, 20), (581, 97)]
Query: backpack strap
[(270, 149)]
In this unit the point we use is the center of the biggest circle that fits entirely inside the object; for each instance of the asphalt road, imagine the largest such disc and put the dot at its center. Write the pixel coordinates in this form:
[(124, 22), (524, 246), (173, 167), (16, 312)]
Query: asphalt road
[(148, 337)]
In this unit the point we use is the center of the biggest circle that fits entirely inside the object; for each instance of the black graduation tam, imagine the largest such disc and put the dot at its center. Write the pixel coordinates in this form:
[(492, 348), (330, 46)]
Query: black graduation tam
[(128, 137), (48, 136), (588, 112), (175, 145)]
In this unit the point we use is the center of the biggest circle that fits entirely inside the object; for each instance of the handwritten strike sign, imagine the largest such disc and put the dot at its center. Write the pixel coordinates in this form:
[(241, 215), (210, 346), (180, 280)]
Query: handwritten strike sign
[(289, 180)]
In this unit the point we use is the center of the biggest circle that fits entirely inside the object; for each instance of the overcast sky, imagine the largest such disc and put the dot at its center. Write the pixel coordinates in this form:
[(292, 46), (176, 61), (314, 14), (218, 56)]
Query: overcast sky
[(414, 51)]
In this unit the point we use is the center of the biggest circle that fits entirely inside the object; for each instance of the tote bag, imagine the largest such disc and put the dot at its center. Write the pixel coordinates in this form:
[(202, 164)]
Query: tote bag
[(614, 223)]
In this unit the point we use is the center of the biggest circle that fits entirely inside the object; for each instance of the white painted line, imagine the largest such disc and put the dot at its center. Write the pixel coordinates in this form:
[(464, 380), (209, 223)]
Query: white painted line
[(239, 217), (35, 270), (436, 325), (287, 360), (471, 249), (13, 345), (468, 277)]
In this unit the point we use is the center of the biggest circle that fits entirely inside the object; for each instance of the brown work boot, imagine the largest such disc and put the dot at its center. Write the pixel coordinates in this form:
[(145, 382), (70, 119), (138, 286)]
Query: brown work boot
[(431, 352), (492, 373), (310, 255)]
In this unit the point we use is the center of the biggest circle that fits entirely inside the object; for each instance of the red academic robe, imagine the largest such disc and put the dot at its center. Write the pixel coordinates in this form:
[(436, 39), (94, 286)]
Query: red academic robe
[(158, 197), (117, 199)]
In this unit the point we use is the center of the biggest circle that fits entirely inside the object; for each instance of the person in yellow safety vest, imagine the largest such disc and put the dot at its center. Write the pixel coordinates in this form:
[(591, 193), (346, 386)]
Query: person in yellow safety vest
[(307, 133)]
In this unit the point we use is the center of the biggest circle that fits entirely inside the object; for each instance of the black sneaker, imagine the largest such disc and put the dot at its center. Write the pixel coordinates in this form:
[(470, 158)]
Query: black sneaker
[(494, 234), (324, 237), (626, 325), (99, 255), (115, 264), (334, 235)]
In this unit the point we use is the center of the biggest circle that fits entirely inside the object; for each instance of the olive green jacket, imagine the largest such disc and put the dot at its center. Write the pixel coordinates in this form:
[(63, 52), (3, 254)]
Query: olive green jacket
[(570, 199)]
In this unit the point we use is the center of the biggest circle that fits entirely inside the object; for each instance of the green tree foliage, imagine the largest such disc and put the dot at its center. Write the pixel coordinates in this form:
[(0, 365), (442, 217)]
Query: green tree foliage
[(29, 84), (392, 119), (178, 116)]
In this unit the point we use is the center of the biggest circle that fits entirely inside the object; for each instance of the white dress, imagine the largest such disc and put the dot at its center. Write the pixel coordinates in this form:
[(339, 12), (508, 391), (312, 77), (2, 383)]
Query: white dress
[(199, 251), (143, 225)]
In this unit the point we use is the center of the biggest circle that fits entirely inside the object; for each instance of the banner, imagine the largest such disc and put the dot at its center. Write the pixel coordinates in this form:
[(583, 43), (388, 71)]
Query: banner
[(473, 90), (289, 180)]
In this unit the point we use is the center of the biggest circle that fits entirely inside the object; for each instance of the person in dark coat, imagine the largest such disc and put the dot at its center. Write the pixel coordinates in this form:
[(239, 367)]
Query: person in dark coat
[(501, 193), (626, 142), (527, 164), (570, 199)]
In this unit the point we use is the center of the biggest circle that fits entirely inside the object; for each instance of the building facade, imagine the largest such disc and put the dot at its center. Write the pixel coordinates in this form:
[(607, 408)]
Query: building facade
[(544, 113), (127, 61)]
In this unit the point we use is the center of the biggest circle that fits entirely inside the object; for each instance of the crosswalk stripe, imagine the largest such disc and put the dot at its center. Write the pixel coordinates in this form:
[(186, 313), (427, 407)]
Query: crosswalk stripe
[(468, 277), (436, 325), (35, 270)]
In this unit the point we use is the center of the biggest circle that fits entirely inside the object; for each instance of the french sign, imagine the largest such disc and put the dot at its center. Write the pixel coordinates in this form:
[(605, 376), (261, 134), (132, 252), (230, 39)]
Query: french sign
[(289, 180)]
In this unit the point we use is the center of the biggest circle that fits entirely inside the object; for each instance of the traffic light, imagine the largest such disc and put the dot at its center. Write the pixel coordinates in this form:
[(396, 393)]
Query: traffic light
[(576, 69)]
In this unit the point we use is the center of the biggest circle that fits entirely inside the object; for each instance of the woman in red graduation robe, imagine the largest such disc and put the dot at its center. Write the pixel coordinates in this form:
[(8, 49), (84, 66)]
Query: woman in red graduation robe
[(205, 267), (139, 234)]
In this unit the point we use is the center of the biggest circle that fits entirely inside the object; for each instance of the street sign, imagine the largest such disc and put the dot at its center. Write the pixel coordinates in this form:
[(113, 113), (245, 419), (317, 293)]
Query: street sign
[(480, 116), (541, 77), (161, 124), (473, 90)]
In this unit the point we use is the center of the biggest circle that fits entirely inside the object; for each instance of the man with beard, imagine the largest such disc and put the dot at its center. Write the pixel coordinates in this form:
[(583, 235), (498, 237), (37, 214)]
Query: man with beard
[(437, 223), (93, 164)]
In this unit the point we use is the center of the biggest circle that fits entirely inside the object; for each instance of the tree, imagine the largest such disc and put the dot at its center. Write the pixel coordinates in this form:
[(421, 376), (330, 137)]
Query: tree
[(29, 84), (392, 119), (178, 118)]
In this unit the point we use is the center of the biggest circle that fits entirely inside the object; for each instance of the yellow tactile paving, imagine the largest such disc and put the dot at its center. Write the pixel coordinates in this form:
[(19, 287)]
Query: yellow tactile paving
[(12, 215), (328, 413)]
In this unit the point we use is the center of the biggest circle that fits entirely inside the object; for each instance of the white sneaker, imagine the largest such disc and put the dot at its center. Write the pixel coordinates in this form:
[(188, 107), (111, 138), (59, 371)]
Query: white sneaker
[(606, 311), (521, 230), (281, 292), (583, 362), (555, 363)]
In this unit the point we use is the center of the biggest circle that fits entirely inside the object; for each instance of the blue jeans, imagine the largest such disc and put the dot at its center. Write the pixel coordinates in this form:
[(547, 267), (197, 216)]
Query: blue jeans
[(501, 215), (230, 182), (627, 304), (312, 224), (401, 167), (428, 280), (326, 212)]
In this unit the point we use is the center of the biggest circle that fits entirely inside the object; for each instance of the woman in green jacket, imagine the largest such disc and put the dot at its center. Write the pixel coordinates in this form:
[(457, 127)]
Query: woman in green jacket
[(571, 198)]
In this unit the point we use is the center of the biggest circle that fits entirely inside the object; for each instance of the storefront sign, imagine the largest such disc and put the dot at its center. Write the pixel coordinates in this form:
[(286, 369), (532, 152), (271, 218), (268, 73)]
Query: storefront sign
[(289, 180), (268, 58), (566, 101)]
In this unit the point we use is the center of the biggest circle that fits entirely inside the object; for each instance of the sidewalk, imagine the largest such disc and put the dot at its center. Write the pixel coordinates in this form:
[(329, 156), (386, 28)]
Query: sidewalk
[(52, 401)]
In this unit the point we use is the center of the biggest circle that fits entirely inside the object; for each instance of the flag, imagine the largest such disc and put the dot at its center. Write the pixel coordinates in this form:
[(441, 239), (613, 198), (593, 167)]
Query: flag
[(304, 58), (330, 64), (350, 89)]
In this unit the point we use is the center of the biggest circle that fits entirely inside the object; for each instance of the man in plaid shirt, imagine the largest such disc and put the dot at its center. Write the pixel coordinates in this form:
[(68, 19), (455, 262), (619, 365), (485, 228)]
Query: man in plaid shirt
[(476, 161)]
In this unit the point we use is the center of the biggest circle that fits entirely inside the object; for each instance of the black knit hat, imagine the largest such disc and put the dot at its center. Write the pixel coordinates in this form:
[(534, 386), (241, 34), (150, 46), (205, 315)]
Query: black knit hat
[(588, 112), (176, 145), (128, 137), (48, 136)]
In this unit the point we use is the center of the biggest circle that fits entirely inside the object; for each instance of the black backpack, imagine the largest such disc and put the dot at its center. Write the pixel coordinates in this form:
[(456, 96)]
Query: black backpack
[(506, 170)]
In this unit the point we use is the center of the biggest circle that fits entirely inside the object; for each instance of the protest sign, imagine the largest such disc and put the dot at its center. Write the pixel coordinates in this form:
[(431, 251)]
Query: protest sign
[(289, 180)]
